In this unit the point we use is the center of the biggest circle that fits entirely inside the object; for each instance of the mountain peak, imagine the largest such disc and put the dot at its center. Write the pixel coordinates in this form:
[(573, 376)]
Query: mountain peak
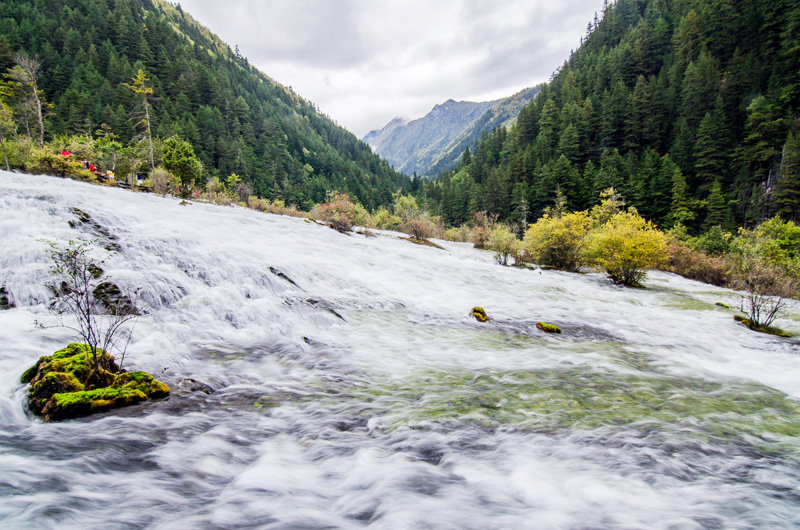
[(435, 141)]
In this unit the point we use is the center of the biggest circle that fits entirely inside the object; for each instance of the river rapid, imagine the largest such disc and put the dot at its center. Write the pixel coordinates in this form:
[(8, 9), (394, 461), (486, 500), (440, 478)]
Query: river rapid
[(322, 380)]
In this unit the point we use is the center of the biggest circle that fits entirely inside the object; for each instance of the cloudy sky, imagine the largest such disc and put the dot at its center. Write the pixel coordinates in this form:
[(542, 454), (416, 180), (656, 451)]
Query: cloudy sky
[(365, 62)]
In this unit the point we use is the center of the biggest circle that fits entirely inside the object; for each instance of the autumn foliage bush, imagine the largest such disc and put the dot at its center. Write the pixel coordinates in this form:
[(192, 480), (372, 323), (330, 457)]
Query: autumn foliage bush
[(560, 241), (626, 246), (695, 265), (339, 212)]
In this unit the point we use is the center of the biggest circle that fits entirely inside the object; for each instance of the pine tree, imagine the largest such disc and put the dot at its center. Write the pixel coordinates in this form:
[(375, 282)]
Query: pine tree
[(680, 211), (710, 159), (717, 206)]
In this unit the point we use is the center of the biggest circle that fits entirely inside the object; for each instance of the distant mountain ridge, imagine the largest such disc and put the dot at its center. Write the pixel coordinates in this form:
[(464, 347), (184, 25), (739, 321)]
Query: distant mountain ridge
[(435, 142)]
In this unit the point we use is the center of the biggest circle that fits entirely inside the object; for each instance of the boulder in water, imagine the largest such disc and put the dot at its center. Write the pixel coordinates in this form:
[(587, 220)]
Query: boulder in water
[(548, 328), (67, 385), (480, 315)]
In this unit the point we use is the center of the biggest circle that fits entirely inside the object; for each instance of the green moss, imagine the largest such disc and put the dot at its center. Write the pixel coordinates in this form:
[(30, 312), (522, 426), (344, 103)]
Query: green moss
[(31, 372), (143, 382), (67, 385), (548, 328), (720, 304), (76, 404), (50, 384), (770, 330), (480, 315)]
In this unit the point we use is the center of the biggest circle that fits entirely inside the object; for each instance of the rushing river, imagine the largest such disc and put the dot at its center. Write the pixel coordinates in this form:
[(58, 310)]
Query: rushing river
[(339, 382)]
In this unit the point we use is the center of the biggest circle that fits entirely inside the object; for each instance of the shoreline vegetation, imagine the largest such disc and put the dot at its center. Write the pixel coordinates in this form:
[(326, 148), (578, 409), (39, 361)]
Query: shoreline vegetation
[(762, 265)]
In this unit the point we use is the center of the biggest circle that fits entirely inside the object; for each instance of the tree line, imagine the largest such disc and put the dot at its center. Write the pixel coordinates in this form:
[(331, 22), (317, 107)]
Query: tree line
[(690, 109), (237, 119)]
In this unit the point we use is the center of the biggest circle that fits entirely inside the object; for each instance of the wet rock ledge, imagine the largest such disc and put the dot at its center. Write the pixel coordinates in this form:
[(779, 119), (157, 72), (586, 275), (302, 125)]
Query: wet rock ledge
[(65, 385)]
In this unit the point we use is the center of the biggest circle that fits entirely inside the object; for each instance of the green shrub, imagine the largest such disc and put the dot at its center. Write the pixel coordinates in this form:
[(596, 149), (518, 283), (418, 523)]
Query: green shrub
[(504, 244), (559, 242), (626, 246)]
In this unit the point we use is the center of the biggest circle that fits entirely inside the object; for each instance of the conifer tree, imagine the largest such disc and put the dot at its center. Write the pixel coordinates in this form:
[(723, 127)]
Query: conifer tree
[(787, 194), (679, 212), (709, 149), (717, 206)]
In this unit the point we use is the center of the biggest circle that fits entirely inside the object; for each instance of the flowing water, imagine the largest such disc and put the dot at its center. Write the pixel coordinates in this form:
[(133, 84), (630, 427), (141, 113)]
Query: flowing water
[(322, 380)]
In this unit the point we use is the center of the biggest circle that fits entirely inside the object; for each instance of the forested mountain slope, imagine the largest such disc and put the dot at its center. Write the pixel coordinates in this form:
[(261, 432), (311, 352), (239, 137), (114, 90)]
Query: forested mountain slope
[(688, 108), (435, 142), (238, 119)]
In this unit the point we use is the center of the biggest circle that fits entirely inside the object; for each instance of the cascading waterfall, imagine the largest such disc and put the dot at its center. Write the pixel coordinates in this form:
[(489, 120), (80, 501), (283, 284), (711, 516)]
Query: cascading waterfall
[(323, 380)]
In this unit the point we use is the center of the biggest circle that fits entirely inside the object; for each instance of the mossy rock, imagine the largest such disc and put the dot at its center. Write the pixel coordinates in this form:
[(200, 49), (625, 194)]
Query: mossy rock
[(720, 304), (480, 315), (770, 330), (67, 385), (143, 382), (548, 328), (68, 405)]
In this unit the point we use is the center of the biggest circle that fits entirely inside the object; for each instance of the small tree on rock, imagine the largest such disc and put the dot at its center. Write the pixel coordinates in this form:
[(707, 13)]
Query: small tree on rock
[(75, 287)]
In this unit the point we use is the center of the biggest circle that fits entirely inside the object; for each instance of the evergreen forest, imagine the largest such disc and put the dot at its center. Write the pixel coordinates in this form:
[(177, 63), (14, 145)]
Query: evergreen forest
[(238, 120), (689, 109)]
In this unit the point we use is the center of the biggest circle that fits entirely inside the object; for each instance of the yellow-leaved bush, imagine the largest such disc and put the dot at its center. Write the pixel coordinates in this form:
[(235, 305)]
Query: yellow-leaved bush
[(559, 241), (626, 245)]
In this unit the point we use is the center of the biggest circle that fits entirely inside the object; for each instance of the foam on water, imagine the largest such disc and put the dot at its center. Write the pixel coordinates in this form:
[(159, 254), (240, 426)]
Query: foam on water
[(353, 390)]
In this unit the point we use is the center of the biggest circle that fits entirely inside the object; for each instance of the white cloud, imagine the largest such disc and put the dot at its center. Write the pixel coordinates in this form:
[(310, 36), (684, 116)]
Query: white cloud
[(364, 62)]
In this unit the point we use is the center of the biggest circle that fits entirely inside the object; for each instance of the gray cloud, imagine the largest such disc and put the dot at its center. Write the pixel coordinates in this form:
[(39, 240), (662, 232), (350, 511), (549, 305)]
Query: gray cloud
[(366, 61)]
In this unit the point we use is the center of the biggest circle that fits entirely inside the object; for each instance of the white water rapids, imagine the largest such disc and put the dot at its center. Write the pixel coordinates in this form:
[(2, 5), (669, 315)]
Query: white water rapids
[(353, 390)]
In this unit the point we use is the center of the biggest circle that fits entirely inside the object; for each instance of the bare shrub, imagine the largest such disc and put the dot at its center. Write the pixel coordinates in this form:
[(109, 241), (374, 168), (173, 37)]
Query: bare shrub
[(766, 291), (76, 286), (163, 181)]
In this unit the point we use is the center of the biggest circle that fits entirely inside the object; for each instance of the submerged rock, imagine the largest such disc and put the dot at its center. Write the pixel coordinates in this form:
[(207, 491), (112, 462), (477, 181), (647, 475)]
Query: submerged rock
[(66, 385), (548, 328), (5, 299), (114, 300), (480, 315)]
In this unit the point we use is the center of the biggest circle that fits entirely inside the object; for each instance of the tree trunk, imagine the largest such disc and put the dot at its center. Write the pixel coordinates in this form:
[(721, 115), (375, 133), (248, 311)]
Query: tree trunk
[(5, 158), (39, 116), (149, 137)]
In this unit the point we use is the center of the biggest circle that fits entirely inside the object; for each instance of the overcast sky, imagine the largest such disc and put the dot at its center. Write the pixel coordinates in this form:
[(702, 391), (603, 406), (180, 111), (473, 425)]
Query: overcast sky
[(365, 62)]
